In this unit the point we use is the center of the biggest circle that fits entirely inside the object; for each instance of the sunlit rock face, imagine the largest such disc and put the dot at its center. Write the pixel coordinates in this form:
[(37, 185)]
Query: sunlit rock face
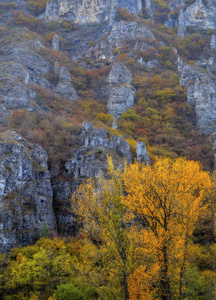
[(88, 11)]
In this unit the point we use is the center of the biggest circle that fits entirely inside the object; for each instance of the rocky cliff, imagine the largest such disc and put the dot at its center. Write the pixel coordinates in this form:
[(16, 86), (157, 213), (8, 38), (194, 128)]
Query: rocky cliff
[(199, 16), (30, 199), (88, 11), (121, 93), (201, 96), (25, 192), (89, 160)]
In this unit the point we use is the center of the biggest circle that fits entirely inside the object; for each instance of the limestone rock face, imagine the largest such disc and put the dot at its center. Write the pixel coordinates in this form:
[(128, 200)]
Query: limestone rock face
[(20, 65), (55, 43), (38, 45), (88, 11), (14, 92), (149, 8), (120, 100), (64, 87), (25, 192), (119, 74), (121, 93), (180, 64), (211, 65), (21, 53), (201, 95), (131, 30), (142, 154), (198, 15), (91, 138), (120, 32), (89, 160), (189, 75), (205, 99), (213, 42)]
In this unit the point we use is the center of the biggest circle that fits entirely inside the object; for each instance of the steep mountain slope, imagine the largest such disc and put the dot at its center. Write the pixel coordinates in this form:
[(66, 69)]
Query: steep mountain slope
[(140, 71)]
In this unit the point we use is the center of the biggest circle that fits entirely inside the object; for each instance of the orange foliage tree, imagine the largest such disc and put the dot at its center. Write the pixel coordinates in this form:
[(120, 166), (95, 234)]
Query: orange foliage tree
[(167, 199), (98, 206)]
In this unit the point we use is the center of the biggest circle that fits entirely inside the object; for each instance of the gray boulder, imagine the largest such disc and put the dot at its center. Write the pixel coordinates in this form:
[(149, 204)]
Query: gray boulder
[(25, 192), (90, 159)]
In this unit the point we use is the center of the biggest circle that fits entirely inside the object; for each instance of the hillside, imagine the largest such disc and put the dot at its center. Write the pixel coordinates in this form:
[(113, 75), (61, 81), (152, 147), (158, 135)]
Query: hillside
[(84, 80)]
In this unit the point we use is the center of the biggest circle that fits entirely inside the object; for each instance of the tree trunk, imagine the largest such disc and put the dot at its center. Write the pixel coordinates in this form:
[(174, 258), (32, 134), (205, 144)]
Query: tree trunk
[(164, 282), (182, 269), (125, 284)]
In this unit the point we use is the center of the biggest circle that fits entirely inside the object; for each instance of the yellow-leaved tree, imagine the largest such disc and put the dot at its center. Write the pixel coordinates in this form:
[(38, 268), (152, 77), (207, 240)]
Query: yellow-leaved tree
[(167, 199), (110, 259)]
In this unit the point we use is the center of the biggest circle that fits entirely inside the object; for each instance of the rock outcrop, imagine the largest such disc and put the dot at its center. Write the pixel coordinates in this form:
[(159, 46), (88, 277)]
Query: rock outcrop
[(205, 103), (213, 42), (24, 55), (15, 95), (25, 192), (64, 87), (96, 144), (119, 74), (55, 43), (201, 96), (142, 154), (122, 31), (198, 16), (121, 93), (88, 11), (89, 160), (120, 100), (19, 66)]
